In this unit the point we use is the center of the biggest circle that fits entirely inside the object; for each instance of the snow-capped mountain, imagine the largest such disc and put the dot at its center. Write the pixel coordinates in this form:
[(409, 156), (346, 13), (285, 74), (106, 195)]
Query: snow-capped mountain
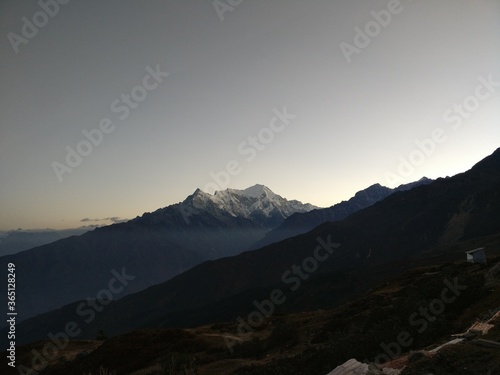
[(257, 203), (153, 247)]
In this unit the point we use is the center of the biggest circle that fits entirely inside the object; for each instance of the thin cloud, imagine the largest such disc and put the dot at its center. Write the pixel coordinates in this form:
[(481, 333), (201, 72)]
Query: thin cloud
[(113, 219)]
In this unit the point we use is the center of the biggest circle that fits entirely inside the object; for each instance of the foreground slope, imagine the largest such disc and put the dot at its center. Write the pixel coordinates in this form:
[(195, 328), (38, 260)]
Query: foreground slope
[(313, 343)]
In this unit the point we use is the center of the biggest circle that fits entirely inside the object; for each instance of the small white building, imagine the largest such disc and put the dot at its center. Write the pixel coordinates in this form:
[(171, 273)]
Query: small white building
[(476, 255)]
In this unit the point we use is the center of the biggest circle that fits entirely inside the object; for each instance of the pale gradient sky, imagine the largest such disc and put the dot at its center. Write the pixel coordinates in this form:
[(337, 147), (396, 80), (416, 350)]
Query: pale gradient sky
[(353, 121)]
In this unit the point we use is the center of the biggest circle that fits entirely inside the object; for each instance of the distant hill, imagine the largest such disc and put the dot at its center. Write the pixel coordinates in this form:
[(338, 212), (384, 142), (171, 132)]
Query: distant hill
[(15, 241)]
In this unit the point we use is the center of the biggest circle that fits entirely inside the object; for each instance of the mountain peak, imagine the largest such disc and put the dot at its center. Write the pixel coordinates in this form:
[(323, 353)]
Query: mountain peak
[(490, 163), (198, 195), (257, 191), (257, 203)]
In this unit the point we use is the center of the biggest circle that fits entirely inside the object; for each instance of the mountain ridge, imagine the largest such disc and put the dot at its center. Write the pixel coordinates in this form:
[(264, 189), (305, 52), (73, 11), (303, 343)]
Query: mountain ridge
[(299, 223)]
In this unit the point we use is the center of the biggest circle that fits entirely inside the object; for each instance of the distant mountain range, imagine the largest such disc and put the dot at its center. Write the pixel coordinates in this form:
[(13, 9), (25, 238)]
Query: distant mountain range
[(440, 219), (303, 222), (153, 247), (15, 241)]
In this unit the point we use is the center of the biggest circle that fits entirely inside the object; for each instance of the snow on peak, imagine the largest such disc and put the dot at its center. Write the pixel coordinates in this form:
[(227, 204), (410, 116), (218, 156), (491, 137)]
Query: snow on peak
[(255, 201), (257, 191)]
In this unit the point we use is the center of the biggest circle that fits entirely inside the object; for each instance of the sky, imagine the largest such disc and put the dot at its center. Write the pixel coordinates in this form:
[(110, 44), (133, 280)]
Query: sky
[(109, 109)]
